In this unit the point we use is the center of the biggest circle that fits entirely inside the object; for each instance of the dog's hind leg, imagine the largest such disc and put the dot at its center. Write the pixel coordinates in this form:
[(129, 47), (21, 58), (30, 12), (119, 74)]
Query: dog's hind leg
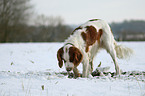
[(111, 50)]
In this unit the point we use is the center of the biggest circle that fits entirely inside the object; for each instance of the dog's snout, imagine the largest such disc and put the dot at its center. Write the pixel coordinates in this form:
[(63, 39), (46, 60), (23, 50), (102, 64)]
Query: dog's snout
[(68, 69)]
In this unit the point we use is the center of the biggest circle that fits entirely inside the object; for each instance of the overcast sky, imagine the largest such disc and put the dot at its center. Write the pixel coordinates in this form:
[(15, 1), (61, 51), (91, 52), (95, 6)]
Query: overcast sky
[(79, 11)]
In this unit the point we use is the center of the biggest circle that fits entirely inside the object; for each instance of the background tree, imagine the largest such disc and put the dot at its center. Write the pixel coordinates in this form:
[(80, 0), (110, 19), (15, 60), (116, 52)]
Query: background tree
[(14, 14), (52, 29), (129, 30)]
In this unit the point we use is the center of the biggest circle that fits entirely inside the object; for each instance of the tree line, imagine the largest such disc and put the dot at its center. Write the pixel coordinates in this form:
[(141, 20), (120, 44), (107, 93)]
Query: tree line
[(15, 16), (14, 24), (131, 30)]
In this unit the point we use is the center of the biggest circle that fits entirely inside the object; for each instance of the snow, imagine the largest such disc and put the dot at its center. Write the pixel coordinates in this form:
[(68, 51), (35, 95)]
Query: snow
[(27, 67)]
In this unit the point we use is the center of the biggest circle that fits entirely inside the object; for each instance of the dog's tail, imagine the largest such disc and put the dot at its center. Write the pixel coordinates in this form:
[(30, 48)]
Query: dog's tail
[(122, 51)]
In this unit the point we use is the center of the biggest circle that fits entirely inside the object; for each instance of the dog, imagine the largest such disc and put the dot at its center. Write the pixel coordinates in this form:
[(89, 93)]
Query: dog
[(85, 42)]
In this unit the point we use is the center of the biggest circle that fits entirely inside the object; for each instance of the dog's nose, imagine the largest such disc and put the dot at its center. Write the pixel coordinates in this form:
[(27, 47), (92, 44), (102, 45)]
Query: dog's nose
[(68, 69)]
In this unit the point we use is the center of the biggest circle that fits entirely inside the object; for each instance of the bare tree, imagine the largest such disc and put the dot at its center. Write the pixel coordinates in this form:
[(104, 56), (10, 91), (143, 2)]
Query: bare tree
[(50, 26), (13, 13), (42, 20)]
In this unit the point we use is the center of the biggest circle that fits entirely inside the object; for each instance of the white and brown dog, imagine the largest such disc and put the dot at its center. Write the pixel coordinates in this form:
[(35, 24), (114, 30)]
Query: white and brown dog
[(85, 42)]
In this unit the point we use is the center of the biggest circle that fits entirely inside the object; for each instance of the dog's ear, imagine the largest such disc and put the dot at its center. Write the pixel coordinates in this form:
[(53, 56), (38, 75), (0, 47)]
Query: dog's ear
[(75, 55), (78, 56), (59, 57)]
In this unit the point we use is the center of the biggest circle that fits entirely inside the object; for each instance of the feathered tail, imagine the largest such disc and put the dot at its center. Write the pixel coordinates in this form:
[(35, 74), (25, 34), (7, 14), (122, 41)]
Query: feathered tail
[(122, 51)]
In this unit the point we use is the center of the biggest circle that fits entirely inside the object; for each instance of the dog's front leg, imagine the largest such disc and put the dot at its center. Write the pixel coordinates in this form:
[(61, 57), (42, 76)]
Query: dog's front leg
[(76, 72), (91, 66), (85, 68)]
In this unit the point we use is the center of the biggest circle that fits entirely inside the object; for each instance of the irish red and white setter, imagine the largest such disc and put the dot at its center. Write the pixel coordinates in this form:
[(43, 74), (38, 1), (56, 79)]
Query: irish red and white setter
[(85, 42)]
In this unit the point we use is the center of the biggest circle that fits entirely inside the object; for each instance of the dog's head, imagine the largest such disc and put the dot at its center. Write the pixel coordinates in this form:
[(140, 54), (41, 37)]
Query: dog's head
[(70, 55)]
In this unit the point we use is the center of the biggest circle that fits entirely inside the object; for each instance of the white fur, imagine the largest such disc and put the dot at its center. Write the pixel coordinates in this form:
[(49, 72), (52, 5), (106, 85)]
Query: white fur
[(106, 42), (66, 57), (123, 52)]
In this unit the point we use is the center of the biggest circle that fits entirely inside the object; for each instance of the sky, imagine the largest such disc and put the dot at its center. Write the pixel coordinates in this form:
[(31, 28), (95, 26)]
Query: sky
[(79, 11)]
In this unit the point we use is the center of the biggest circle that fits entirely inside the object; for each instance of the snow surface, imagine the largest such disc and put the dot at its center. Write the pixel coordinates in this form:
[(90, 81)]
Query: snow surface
[(29, 69)]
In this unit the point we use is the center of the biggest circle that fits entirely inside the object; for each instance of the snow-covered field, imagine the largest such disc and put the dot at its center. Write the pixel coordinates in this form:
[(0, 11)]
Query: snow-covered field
[(30, 69)]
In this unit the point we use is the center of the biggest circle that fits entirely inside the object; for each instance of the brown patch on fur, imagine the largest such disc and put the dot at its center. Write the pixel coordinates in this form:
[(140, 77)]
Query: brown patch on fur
[(75, 56), (99, 35), (76, 29), (94, 19), (90, 36), (59, 57)]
